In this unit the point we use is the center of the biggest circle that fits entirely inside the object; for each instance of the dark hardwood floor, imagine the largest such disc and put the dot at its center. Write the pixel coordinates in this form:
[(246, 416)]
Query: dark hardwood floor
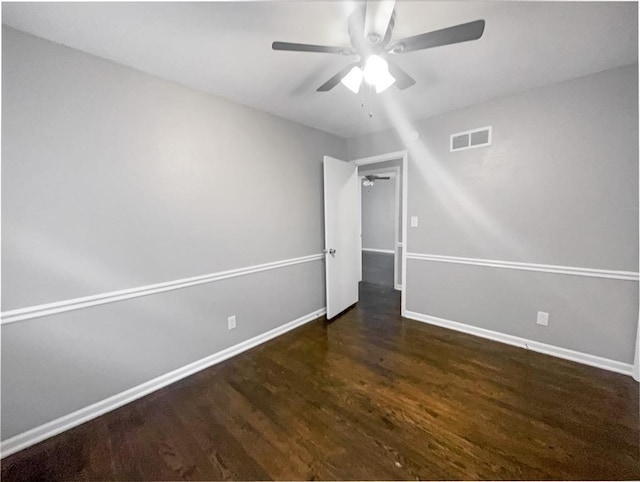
[(368, 396)]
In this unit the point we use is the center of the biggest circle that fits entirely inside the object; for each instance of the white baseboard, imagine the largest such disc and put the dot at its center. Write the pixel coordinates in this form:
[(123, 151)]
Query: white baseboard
[(66, 422), (576, 356)]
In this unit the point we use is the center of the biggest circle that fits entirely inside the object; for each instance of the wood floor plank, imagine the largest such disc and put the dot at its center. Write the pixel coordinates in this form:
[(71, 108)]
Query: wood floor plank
[(369, 396)]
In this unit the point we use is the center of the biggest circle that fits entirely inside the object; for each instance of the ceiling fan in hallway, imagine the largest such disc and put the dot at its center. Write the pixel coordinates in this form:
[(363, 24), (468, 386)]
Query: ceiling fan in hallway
[(370, 30), (370, 180)]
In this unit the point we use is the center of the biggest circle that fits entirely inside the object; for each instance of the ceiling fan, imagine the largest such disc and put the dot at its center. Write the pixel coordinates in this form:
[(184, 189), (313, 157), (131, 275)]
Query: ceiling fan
[(370, 179), (370, 30)]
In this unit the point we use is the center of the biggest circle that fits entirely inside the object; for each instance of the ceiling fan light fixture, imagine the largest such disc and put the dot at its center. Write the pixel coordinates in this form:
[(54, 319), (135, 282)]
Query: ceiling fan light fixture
[(384, 82), (370, 28), (353, 80), (376, 73)]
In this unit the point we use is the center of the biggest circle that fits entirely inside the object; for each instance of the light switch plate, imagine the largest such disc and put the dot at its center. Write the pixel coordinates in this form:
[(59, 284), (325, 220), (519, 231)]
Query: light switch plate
[(414, 221), (231, 322)]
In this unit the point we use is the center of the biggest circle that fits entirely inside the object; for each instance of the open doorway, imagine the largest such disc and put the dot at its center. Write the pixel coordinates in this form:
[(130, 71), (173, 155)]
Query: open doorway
[(383, 220), (380, 225)]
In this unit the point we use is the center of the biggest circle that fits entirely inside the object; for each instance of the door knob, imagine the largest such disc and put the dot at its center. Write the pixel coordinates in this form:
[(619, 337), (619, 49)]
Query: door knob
[(330, 251)]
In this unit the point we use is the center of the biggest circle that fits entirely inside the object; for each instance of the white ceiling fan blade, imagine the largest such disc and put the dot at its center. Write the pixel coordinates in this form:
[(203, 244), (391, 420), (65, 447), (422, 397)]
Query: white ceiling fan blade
[(377, 17)]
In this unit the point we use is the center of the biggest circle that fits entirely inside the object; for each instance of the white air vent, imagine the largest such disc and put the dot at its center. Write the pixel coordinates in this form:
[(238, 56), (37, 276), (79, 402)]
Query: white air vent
[(470, 139)]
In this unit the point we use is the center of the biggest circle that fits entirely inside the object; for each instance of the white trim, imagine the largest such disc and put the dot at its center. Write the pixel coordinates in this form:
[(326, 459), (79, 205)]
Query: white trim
[(385, 251), (66, 422), (396, 225), (545, 268), (405, 215), (392, 156), (47, 309), (565, 353), (488, 143), (360, 231), (636, 359)]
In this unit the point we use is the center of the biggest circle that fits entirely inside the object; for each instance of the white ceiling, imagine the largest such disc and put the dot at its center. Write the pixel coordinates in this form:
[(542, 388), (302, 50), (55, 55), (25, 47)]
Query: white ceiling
[(225, 49)]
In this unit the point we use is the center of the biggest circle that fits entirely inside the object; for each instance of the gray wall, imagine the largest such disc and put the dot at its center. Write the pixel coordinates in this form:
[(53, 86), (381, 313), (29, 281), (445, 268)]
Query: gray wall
[(559, 185), (378, 215), (113, 179)]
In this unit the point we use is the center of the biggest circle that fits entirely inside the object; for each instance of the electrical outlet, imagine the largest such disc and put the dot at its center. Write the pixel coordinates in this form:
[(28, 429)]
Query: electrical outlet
[(231, 322), (543, 318)]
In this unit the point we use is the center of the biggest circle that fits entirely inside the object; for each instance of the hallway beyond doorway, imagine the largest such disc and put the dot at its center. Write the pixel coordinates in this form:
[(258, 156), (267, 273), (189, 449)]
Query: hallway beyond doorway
[(377, 268)]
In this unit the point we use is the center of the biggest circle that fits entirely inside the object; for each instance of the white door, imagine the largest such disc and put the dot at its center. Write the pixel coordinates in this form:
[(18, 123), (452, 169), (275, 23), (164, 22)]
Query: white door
[(341, 225)]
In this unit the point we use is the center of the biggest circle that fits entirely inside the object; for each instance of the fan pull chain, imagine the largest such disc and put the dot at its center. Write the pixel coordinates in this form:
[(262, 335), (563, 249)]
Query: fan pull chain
[(367, 98)]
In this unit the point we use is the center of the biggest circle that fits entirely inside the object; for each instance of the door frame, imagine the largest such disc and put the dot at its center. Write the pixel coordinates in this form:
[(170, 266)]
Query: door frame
[(394, 173), (404, 157)]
